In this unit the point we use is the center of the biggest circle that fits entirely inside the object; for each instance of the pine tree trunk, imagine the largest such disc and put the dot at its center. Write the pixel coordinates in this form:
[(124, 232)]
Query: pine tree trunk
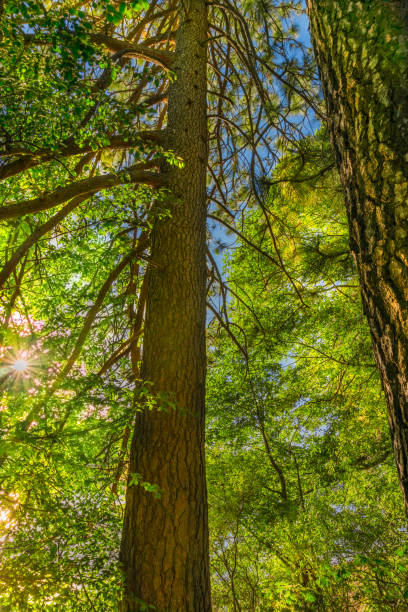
[(362, 52), (164, 549)]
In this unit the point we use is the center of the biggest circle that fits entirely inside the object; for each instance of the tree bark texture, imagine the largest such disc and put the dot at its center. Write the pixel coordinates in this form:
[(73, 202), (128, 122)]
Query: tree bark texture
[(362, 53), (164, 550)]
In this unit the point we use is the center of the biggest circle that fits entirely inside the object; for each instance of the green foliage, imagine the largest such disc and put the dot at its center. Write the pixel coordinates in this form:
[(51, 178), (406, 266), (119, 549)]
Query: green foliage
[(61, 439), (136, 480), (305, 508), (304, 500)]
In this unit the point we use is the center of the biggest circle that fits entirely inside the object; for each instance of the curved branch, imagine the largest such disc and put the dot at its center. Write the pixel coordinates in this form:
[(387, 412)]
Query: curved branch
[(29, 159), (84, 187), (156, 56), (127, 48)]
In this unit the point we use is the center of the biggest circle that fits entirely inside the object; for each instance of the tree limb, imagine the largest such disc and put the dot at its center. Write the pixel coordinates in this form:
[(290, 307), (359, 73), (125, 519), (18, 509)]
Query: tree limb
[(86, 186)]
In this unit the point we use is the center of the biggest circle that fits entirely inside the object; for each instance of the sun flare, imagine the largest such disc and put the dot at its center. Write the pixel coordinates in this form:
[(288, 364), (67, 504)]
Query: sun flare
[(21, 365), (18, 367)]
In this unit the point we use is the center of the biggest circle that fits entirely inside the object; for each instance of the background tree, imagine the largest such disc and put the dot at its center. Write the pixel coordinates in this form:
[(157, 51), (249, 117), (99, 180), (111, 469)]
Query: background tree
[(362, 52)]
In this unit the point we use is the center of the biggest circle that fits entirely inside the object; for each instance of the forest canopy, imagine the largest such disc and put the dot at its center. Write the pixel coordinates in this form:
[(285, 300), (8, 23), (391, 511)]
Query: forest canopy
[(176, 240)]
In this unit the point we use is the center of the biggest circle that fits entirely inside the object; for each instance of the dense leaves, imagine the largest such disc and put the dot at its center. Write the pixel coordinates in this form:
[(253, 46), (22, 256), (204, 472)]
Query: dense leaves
[(304, 498), (304, 503)]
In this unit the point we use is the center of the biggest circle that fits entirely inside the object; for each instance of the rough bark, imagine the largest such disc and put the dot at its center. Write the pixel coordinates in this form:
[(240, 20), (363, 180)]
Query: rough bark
[(362, 52), (164, 549)]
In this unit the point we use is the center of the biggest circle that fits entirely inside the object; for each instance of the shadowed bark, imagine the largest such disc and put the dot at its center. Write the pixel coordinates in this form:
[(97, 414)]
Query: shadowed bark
[(362, 52)]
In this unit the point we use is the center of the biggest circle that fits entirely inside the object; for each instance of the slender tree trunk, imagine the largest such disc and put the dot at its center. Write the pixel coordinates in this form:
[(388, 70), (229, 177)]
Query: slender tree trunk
[(165, 541), (362, 52)]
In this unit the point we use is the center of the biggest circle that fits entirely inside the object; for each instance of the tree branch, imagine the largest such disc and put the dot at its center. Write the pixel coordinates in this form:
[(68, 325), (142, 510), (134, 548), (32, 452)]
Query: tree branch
[(29, 159), (86, 186), (40, 231)]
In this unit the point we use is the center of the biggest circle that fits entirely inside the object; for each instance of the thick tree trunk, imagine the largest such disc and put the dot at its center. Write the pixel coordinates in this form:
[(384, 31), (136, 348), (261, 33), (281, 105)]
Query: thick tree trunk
[(165, 541), (362, 52)]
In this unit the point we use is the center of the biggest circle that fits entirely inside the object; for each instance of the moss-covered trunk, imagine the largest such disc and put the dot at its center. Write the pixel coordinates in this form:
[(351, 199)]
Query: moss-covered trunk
[(362, 52), (165, 541)]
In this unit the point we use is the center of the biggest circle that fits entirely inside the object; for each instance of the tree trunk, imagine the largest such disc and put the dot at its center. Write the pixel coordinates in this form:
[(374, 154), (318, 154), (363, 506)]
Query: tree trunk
[(164, 549), (362, 52)]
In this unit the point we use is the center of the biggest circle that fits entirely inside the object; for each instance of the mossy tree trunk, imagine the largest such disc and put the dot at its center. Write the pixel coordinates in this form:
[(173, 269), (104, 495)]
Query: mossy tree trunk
[(164, 549), (362, 53)]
